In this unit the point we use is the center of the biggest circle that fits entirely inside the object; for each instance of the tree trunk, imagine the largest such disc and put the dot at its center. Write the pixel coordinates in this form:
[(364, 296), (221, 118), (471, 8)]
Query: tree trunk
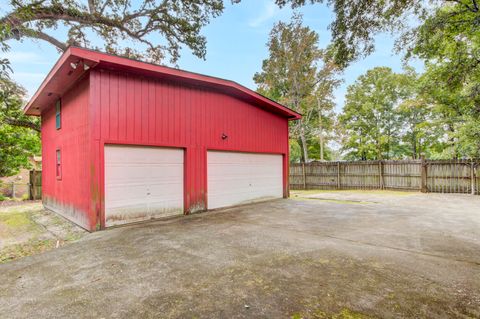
[(414, 147), (322, 158), (320, 128), (304, 143), (452, 141)]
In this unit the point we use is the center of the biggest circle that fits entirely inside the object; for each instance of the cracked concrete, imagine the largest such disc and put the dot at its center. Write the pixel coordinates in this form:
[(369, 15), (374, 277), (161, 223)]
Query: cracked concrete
[(351, 254)]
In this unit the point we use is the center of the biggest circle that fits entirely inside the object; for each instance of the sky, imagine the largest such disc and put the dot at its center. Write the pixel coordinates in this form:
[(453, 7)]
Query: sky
[(235, 49)]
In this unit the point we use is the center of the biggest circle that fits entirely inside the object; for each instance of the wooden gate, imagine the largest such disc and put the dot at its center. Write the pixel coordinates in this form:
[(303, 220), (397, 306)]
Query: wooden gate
[(35, 184)]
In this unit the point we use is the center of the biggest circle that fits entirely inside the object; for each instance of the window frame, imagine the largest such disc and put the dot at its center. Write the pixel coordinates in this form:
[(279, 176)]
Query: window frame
[(58, 163), (58, 114)]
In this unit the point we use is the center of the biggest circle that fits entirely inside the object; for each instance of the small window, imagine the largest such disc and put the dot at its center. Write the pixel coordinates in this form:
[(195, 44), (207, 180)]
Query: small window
[(58, 118), (59, 164)]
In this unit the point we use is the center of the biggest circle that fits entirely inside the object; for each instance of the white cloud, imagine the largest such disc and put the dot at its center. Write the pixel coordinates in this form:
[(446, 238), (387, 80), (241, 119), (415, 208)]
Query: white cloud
[(270, 10), (29, 80), (29, 75), (25, 57)]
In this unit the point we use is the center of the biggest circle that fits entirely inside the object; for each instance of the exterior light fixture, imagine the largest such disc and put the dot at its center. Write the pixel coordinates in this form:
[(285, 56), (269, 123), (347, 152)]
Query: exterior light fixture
[(224, 136), (73, 65)]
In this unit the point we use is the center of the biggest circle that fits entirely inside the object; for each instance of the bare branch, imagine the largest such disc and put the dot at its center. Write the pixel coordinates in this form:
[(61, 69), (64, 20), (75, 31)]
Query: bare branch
[(180, 23), (45, 37)]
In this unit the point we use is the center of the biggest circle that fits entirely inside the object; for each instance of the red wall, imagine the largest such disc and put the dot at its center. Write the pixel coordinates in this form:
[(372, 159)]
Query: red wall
[(69, 195), (111, 107), (130, 109)]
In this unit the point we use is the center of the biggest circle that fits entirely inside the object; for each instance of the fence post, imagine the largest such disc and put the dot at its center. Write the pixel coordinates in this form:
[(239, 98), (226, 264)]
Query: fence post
[(304, 176), (472, 177), (423, 182), (338, 175), (30, 185), (380, 172)]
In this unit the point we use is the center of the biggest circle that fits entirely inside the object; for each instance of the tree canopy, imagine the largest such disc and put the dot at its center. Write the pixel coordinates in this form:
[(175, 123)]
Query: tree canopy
[(385, 117), (17, 143), (150, 30), (370, 123), (300, 75), (451, 81), (120, 23), (356, 22)]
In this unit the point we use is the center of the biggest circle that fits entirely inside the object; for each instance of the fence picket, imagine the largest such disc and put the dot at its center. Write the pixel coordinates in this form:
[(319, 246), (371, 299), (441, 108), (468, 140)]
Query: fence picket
[(454, 176)]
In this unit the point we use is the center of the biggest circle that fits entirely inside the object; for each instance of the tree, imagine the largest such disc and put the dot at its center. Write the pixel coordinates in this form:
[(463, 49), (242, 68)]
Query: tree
[(449, 43), (120, 26), (12, 99), (357, 22), (422, 133), (370, 123), (303, 77), (17, 143), (397, 115), (289, 75), (325, 102)]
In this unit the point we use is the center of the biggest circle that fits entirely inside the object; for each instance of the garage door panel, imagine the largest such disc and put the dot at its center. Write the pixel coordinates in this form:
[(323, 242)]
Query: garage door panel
[(225, 199), (236, 178), (116, 193), (165, 173), (142, 183), (145, 155)]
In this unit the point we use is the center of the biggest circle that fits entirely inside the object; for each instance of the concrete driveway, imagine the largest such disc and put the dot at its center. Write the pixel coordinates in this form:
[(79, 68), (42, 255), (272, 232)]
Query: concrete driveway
[(317, 255)]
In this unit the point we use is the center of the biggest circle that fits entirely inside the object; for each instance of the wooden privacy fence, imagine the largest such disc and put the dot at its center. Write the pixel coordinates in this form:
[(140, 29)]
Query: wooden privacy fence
[(459, 176)]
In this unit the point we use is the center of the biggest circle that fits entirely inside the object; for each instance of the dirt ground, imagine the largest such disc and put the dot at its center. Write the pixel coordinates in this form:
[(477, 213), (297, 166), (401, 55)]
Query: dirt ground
[(317, 255), (26, 228)]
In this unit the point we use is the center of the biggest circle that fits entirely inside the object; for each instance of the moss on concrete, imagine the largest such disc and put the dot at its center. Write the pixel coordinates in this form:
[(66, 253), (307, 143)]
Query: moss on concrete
[(14, 220), (31, 247), (338, 201), (355, 191), (29, 229), (345, 313)]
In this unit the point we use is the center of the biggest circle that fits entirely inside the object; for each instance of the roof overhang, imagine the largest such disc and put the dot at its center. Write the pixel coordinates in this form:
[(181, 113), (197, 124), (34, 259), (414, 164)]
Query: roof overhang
[(75, 62)]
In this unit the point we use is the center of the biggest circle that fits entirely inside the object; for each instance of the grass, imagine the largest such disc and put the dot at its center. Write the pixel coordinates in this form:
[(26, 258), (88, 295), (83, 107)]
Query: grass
[(358, 191), (14, 224), (15, 220), (21, 234), (343, 314), (337, 201), (32, 247)]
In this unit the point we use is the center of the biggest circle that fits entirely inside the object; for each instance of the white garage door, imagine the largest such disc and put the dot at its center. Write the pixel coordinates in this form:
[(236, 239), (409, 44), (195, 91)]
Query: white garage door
[(238, 178), (142, 183)]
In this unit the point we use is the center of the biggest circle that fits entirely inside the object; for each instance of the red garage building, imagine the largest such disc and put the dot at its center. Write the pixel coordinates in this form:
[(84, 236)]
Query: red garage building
[(125, 141)]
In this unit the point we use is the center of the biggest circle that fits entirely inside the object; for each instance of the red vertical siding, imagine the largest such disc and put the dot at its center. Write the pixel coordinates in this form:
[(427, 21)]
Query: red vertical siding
[(113, 107), (70, 195), (146, 111)]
